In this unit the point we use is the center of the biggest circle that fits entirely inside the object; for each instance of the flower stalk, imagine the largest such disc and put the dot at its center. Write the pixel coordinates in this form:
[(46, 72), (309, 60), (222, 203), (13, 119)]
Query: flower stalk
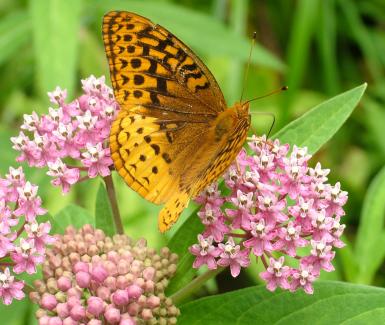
[(114, 204), (194, 285)]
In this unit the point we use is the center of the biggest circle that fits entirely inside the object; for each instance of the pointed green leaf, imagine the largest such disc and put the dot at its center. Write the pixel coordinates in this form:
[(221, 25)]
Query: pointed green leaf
[(318, 125), (71, 215), (104, 219), (331, 303), (370, 242)]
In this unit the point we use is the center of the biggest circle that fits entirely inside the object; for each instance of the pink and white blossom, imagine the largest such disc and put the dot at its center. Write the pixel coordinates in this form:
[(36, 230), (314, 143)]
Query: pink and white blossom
[(75, 131), (276, 204)]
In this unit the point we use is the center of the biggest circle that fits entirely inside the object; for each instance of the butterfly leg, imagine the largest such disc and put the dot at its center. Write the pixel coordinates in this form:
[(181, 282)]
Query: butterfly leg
[(172, 210)]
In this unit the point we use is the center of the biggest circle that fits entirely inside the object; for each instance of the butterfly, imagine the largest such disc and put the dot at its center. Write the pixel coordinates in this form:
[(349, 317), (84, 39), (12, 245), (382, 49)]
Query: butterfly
[(174, 134)]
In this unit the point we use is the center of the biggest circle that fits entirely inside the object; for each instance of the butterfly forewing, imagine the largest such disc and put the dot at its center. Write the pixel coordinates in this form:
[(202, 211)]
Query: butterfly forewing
[(151, 68), (163, 140)]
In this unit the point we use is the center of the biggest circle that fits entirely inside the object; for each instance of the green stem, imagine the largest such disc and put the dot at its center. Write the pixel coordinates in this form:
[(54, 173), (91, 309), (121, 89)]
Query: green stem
[(28, 289), (180, 295), (114, 204)]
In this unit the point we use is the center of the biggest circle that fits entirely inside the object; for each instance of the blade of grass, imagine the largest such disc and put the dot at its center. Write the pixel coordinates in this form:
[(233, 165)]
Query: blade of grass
[(298, 51), (327, 47), (362, 37), (14, 33), (55, 29), (238, 19), (370, 241)]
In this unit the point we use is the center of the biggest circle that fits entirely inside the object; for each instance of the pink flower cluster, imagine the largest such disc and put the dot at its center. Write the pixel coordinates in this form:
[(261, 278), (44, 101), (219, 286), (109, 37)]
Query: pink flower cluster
[(22, 238), (77, 131), (278, 210), (93, 279)]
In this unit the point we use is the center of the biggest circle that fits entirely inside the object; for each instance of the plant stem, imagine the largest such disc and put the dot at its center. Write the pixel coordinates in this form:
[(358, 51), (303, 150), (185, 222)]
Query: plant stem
[(114, 204), (180, 295), (28, 289)]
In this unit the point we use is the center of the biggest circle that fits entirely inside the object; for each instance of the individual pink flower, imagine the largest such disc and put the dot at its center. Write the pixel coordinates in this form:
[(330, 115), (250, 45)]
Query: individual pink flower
[(9, 288), (26, 257), (57, 96), (211, 195), (231, 255), (39, 233), (270, 208), (205, 252), (6, 244), (321, 257), (64, 176), (276, 275), (336, 199), (213, 219), (29, 203), (7, 221), (303, 278), (318, 173), (16, 179), (97, 160), (290, 239), (262, 237), (336, 230)]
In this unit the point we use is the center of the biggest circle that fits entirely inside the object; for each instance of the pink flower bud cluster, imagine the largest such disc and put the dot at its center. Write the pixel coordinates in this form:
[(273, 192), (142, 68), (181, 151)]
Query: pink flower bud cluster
[(75, 131), (278, 210), (92, 279), (22, 238)]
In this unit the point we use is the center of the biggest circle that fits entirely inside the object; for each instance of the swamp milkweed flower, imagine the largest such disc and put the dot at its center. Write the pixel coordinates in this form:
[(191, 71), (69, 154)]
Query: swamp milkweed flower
[(23, 238), (278, 210), (76, 131)]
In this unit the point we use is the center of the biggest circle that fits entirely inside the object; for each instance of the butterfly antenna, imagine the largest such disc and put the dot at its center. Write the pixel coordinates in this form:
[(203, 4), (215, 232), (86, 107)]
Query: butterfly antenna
[(268, 113), (248, 64), (269, 94)]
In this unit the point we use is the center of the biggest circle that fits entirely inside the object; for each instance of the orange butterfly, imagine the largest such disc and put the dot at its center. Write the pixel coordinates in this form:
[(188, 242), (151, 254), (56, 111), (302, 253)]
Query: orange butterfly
[(174, 134)]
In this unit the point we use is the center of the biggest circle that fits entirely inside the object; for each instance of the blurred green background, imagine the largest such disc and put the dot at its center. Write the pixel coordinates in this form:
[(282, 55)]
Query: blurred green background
[(318, 48)]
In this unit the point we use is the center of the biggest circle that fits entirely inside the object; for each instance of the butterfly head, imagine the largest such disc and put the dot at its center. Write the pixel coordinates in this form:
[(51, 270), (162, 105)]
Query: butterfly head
[(242, 110)]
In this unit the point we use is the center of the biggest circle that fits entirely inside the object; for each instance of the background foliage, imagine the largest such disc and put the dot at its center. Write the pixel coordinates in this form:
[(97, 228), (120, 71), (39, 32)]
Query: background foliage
[(318, 48)]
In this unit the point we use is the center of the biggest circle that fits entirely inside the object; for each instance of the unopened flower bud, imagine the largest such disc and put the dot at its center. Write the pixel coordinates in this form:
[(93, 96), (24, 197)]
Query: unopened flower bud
[(112, 315)]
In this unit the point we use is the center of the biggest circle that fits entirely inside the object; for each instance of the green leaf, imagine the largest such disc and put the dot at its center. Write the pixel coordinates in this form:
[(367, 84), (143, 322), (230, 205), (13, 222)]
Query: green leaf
[(318, 125), (362, 37), (375, 118), (55, 31), (14, 33), (305, 19), (179, 244), (370, 242), (71, 215), (327, 35), (331, 303), (104, 219), (11, 315), (190, 26)]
